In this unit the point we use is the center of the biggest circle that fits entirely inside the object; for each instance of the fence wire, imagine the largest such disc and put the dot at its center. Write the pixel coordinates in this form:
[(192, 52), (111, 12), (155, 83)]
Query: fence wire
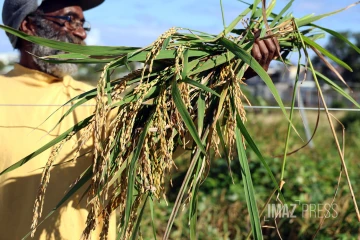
[(246, 107)]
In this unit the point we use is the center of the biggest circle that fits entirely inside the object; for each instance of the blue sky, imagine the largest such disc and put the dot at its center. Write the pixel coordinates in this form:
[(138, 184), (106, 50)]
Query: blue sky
[(138, 23)]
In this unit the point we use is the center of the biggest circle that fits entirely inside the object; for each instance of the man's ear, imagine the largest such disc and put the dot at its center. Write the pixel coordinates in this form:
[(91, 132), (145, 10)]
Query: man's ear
[(27, 27)]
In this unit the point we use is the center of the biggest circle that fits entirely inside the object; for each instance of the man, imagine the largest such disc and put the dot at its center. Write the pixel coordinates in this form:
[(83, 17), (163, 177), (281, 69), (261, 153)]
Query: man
[(30, 93)]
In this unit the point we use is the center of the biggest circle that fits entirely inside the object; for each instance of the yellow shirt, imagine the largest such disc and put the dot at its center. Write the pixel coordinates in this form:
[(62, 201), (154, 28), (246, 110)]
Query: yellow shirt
[(27, 98)]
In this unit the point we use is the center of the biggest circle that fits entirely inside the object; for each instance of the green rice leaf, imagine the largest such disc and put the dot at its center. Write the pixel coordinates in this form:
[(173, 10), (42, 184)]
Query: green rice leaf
[(77, 127), (338, 35), (182, 191), (337, 88), (248, 185), (194, 202), (165, 54), (326, 53), (256, 150), (151, 203), (131, 57), (201, 113), (223, 146), (166, 43), (70, 47), (248, 59), (279, 16), (84, 97), (305, 21), (212, 63), (132, 173), (199, 85), (185, 69), (237, 20), (254, 8), (291, 119), (84, 178), (135, 236), (186, 116)]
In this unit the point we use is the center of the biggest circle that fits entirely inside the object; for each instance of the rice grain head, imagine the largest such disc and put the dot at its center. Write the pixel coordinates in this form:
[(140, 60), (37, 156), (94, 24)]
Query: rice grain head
[(45, 179)]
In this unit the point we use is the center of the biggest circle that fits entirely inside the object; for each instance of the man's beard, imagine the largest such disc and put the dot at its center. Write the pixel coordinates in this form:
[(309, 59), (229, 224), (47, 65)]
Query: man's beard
[(54, 69)]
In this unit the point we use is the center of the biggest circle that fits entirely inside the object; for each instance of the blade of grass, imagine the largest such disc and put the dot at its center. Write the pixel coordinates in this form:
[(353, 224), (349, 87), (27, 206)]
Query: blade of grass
[(302, 22), (183, 188), (338, 35), (139, 57), (166, 43), (194, 201), (77, 127), (330, 123), (84, 178), (337, 88), (248, 185), (70, 47), (199, 85), (223, 17), (248, 59), (331, 67), (151, 203), (186, 116), (326, 52), (279, 16), (286, 148), (235, 22), (134, 236), (223, 146), (132, 172), (269, 11), (253, 146), (254, 7), (185, 69), (201, 112), (212, 63)]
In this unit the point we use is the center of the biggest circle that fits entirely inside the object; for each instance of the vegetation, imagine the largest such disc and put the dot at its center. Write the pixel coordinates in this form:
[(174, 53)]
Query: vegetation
[(346, 54), (2, 65), (191, 88), (312, 178)]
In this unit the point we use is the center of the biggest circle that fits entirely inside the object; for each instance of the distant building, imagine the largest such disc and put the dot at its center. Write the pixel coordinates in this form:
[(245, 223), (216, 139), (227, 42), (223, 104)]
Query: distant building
[(284, 81)]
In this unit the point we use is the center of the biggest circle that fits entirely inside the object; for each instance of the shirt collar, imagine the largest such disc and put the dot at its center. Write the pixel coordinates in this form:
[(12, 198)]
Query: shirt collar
[(32, 74)]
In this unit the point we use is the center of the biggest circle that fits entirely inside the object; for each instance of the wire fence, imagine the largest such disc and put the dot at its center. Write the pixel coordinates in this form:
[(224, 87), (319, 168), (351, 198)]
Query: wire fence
[(246, 107)]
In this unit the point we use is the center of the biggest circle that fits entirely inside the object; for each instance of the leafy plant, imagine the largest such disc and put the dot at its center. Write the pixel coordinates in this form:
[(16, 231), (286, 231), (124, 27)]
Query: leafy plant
[(190, 88)]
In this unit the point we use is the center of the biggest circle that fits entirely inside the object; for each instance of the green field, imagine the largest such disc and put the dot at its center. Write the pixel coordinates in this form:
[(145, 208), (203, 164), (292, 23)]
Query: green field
[(311, 178)]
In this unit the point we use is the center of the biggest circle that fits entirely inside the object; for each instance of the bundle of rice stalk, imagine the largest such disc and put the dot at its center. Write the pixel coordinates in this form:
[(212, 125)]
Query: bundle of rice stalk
[(189, 95)]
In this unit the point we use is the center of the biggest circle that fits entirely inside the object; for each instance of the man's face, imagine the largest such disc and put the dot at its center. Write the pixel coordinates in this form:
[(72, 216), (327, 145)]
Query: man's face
[(47, 25)]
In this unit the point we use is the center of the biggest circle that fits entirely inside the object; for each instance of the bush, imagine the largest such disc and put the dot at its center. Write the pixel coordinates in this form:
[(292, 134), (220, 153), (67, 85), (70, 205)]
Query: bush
[(350, 120), (338, 104)]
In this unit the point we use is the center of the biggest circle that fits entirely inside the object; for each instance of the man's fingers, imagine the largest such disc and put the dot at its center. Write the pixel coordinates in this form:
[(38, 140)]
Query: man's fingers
[(271, 48), (255, 52), (264, 52)]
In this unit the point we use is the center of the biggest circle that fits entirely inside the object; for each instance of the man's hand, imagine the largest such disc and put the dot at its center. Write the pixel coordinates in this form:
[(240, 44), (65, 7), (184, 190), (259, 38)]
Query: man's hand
[(264, 51)]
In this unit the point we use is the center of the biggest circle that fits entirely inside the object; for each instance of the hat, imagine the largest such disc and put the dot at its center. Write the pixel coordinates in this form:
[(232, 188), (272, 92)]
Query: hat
[(15, 11)]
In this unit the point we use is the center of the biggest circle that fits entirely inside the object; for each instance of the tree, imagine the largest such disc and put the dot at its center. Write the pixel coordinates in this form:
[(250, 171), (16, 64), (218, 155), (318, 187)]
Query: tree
[(345, 53), (2, 65)]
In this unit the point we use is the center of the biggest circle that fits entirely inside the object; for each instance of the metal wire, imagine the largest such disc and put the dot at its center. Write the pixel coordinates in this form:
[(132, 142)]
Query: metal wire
[(247, 107), (44, 105), (304, 108)]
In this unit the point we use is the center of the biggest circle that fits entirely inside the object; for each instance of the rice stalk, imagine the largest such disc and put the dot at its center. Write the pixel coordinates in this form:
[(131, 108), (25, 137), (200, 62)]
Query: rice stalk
[(45, 179)]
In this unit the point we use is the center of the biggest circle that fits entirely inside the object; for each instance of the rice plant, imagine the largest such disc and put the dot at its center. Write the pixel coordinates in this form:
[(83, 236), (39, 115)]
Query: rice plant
[(188, 96)]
